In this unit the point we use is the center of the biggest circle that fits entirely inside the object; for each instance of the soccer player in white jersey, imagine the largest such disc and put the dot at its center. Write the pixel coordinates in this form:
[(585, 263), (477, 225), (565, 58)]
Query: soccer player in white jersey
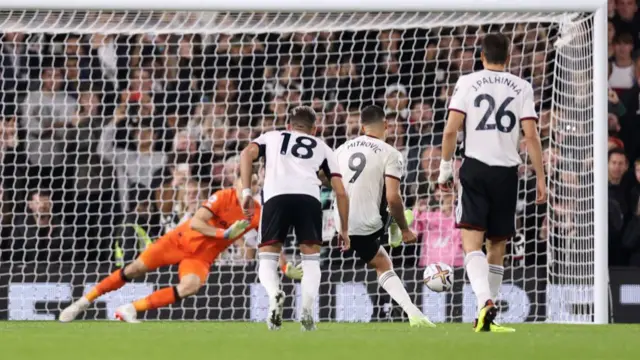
[(491, 107), (291, 198), (371, 171)]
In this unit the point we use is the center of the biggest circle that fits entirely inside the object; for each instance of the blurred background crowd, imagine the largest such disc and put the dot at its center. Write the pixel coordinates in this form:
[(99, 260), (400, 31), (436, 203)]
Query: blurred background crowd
[(101, 132)]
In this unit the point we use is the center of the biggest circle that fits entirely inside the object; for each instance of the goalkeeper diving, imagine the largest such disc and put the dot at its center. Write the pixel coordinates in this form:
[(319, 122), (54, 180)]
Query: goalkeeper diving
[(193, 245)]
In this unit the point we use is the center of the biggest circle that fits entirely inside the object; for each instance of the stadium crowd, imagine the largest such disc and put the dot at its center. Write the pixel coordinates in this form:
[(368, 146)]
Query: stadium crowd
[(101, 132)]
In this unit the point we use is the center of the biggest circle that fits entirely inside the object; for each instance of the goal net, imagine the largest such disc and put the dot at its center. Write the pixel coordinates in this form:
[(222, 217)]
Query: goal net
[(118, 125)]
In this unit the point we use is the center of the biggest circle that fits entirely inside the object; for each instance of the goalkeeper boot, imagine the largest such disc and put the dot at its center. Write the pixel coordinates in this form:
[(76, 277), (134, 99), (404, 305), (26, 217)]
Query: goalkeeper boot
[(307, 321), (276, 305), (486, 316), (128, 314), (72, 311)]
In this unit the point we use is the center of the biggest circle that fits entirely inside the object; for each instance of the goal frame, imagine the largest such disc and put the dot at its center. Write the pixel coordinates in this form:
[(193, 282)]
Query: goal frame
[(599, 36)]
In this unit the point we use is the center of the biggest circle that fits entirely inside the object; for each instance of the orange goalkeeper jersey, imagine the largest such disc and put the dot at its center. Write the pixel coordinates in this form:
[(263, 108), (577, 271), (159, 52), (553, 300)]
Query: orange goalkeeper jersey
[(226, 209)]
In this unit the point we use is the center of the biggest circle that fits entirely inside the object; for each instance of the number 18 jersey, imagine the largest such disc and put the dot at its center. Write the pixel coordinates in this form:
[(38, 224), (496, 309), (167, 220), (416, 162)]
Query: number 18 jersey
[(364, 163), (494, 103), (292, 161)]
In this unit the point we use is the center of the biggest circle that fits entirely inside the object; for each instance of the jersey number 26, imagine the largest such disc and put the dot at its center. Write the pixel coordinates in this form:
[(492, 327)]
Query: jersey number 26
[(498, 116)]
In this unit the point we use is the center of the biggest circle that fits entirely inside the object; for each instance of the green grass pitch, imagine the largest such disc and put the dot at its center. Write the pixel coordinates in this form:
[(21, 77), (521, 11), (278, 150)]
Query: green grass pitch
[(332, 341)]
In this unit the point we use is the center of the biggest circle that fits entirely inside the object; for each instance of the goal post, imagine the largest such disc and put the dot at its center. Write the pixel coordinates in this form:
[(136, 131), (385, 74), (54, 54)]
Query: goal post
[(580, 71)]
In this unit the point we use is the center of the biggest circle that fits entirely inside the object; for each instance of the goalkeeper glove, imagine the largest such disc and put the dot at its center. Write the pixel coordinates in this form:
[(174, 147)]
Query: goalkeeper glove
[(236, 229), (292, 272)]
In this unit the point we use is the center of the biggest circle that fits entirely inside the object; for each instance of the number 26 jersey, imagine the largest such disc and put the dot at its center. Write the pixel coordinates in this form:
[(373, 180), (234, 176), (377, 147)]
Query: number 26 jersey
[(494, 103), (292, 161), (364, 163)]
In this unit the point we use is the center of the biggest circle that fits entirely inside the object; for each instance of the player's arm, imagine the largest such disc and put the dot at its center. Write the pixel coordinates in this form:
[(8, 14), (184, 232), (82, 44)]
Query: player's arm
[(394, 201), (450, 134), (330, 168), (248, 156), (342, 200), (324, 179), (393, 171), (529, 125), (457, 113), (534, 146), (200, 223)]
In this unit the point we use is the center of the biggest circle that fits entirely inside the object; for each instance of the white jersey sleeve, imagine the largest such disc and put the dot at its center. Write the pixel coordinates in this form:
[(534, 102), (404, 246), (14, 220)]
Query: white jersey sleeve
[(529, 105), (330, 165), (458, 102), (395, 165)]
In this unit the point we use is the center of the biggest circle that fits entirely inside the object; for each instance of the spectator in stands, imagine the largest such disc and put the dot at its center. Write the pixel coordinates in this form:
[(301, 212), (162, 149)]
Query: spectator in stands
[(618, 190), (429, 171), (623, 70), (190, 196), (136, 167), (396, 102), (422, 128), (440, 240), (611, 35), (352, 125), (631, 236), (627, 19), (396, 134), (46, 114), (611, 9), (39, 235)]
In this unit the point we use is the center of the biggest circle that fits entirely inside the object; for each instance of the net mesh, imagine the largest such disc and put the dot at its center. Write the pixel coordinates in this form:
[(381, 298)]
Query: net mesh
[(117, 125)]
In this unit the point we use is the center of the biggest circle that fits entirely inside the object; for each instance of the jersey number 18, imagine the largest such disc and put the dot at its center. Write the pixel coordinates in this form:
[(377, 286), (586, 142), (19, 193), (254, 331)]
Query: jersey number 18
[(303, 147)]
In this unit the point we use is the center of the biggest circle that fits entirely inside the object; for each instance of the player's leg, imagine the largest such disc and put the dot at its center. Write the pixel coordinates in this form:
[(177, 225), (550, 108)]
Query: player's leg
[(370, 251), (501, 227), (307, 221), (163, 252), (496, 249), (274, 228), (192, 273), (472, 216)]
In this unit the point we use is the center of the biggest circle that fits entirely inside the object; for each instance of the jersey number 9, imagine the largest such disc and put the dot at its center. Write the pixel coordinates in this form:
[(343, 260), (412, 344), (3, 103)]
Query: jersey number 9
[(499, 115), (357, 162)]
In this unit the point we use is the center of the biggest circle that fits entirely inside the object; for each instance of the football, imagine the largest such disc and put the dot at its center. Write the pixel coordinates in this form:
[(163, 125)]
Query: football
[(438, 277)]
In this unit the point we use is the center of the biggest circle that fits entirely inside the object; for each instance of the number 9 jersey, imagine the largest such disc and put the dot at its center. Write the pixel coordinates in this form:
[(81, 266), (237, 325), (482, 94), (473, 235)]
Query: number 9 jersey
[(364, 163), (494, 103)]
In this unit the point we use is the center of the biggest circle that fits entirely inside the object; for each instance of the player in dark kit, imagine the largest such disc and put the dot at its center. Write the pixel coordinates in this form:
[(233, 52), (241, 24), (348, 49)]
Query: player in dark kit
[(491, 107)]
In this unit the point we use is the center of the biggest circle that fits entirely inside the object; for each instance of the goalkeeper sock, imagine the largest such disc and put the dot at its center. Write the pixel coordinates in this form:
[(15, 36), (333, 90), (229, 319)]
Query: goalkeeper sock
[(157, 299), (310, 280), (392, 284), (477, 268), (495, 280), (112, 282), (268, 272)]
